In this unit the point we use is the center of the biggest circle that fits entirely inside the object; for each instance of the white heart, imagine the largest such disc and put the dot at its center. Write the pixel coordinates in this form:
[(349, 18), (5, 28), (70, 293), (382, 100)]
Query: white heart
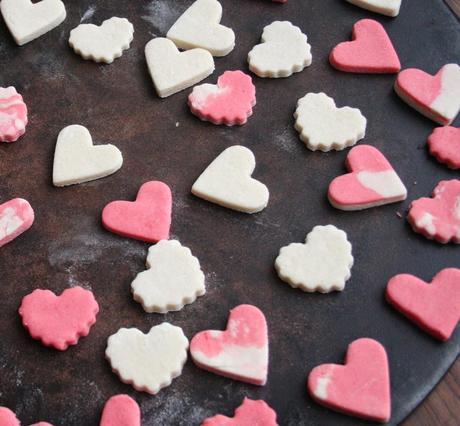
[(28, 21), (199, 26), (173, 71), (227, 181), (284, 50), (322, 264), (172, 280), (323, 126), (76, 160), (149, 361), (103, 43), (385, 7)]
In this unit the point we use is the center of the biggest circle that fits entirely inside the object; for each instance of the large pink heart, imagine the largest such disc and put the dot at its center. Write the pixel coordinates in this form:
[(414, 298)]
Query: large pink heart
[(147, 219), (121, 410), (16, 217)]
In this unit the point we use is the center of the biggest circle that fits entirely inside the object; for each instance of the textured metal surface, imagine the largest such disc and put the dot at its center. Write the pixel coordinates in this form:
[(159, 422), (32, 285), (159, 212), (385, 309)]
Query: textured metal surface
[(68, 246)]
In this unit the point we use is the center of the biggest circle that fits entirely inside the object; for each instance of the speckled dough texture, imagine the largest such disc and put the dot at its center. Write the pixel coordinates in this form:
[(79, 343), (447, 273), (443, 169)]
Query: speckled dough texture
[(13, 115), (16, 217)]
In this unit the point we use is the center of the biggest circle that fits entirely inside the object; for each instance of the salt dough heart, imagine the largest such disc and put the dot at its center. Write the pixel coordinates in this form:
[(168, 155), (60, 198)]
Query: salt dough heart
[(444, 144), (173, 278), (371, 182), (199, 26), (240, 352), (434, 307), (104, 43), (173, 71), (371, 51), (438, 218), (121, 410), (28, 21), (284, 50), (385, 7), (229, 102), (322, 264), (147, 219), (359, 388), (13, 113), (436, 97), (59, 321), (249, 413), (76, 160), (8, 418), (323, 126), (16, 217), (148, 362), (227, 181)]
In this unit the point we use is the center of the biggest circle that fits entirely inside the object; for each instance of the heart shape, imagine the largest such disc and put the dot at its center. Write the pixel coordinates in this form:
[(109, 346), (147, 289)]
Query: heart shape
[(359, 388), (59, 321), (249, 413), (102, 43), (173, 278), (16, 217), (173, 71), (13, 111), (436, 97), (146, 219), (370, 51), (322, 126), (444, 144), (149, 361), (438, 218), (121, 410), (229, 102), (227, 181), (76, 160), (283, 51), (385, 7), (322, 264), (434, 307), (240, 352), (199, 26), (371, 181), (28, 21)]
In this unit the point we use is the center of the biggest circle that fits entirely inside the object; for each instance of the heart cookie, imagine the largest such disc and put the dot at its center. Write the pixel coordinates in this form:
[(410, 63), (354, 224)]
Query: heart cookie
[(240, 352), (173, 278), (199, 26), (59, 321), (384, 7), (322, 264), (436, 97), (227, 181), (76, 160), (173, 71), (229, 102), (434, 307), (28, 21), (284, 51), (359, 388), (146, 219), (444, 144), (324, 127), (16, 217), (13, 113), (8, 418), (148, 362), (371, 182), (121, 410)]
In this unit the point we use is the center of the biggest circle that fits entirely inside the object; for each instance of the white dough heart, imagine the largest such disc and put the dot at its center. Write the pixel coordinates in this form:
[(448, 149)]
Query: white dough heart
[(28, 21), (199, 26), (322, 264), (76, 160), (284, 50), (173, 278), (173, 71), (227, 181), (148, 362), (104, 43), (385, 7), (323, 126)]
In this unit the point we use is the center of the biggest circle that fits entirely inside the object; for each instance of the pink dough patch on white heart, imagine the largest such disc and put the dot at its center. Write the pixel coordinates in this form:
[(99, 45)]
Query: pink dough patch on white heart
[(359, 388), (13, 115), (8, 418), (240, 352), (16, 217), (121, 410), (444, 145)]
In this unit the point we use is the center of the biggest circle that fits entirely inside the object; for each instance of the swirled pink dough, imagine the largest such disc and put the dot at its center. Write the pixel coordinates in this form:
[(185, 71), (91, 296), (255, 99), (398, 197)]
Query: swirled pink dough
[(13, 115), (8, 418), (16, 217), (444, 144), (121, 410)]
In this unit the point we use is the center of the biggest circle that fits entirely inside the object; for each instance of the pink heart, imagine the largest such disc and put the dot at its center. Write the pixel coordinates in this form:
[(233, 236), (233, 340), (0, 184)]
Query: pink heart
[(240, 352), (59, 321), (370, 51), (147, 219), (444, 144), (359, 388), (8, 418), (433, 307), (121, 410), (13, 111), (16, 217)]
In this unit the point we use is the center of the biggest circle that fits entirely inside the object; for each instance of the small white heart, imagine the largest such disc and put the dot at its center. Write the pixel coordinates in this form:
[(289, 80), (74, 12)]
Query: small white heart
[(385, 7)]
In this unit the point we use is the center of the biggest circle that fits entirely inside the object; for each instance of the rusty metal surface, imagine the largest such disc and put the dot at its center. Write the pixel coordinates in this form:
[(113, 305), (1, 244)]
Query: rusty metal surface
[(68, 246)]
